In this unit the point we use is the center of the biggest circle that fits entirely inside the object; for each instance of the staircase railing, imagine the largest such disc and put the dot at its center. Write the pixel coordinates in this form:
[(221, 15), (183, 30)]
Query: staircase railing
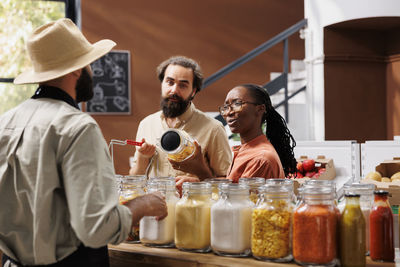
[(279, 83)]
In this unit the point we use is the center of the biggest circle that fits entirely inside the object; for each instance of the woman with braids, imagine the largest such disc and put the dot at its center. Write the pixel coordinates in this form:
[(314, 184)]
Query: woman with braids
[(246, 108)]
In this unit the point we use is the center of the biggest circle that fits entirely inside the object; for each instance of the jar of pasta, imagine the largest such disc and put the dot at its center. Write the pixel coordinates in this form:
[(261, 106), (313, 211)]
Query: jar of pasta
[(315, 226), (231, 221), (254, 184), (178, 144), (215, 182), (160, 233), (272, 223), (131, 187), (192, 217)]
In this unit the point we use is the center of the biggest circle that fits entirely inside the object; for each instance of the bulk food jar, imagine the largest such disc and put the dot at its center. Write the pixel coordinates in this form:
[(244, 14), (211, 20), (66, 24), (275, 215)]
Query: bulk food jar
[(178, 144), (231, 221), (284, 182), (314, 227), (366, 192), (131, 187), (215, 182), (192, 217), (272, 224), (254, 184), (160, 233)]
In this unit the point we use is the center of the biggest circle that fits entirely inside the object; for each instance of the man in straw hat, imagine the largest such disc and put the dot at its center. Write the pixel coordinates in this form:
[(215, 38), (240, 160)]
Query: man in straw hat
[(56, 176)]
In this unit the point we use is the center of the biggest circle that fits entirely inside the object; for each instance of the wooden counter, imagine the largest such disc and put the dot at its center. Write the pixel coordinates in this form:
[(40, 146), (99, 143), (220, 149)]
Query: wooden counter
[(129, 254)]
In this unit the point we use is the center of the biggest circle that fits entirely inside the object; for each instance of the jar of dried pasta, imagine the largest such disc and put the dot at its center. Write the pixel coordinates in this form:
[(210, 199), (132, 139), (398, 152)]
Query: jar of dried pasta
[(160, 233), (254, 184), (272, 224), (315, 227), (215, 182), (178, 144), (192, 217), (131, 187)]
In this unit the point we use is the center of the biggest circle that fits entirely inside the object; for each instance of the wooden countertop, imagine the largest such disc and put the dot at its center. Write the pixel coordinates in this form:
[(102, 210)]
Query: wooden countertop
[(128, 254)]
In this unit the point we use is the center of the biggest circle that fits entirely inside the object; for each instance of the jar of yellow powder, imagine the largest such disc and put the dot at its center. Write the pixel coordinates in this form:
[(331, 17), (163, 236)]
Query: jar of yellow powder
[(160, 233), (192, 217), (131, 187), (254, 184), (272, 223)]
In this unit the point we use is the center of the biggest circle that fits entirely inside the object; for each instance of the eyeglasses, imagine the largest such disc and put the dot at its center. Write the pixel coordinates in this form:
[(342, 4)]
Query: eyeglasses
[(236, 106)]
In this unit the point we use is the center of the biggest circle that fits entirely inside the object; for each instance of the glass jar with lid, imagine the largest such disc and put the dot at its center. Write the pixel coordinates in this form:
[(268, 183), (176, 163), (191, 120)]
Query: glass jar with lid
[(192, 217), (215, 182), (315, 227), (272, 224), (366, 192), (178, 144), (254, 184), (131, 187), (231, 221), (160, 233), (284, 182)]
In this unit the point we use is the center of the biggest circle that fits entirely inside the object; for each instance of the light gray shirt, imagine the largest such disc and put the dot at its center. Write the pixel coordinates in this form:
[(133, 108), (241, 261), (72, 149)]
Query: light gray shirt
[(57, 185)]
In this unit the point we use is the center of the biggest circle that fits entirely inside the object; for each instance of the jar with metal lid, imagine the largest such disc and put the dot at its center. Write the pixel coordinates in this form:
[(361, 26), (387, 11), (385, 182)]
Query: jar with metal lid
[(231, 221), (192, 217), (254, 184), (352, 233), (131, 187), (366, 192), (315, 227), (272, 224), (215, 182), (160, 233), (178, 144)]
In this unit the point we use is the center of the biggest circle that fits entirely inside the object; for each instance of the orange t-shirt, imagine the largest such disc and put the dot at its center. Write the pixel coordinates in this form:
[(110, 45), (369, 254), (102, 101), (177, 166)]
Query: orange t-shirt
[(257, 158)]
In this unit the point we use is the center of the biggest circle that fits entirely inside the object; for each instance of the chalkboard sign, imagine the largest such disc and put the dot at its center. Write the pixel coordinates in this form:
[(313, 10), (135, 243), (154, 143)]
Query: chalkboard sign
[(111, 84)]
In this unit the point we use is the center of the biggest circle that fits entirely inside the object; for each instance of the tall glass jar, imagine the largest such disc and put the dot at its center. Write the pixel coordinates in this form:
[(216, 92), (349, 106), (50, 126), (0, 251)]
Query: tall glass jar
[(231, 221), (131, 187), (314, 227), (160, 233), (381, 228), (215, 182), (352, 233), (366, 192), (254, 184), (271, 237), (192, 218)]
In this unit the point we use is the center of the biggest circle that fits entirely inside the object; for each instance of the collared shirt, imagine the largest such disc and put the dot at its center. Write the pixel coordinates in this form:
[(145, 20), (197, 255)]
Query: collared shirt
[(57, 184), (256, 158), (209, 133)]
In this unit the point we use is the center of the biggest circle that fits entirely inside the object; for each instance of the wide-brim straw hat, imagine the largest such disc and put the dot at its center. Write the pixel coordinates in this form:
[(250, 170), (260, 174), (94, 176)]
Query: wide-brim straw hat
[(58, 48)]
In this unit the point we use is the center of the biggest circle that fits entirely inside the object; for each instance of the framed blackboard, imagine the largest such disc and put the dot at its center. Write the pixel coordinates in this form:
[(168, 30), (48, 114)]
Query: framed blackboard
[(111, 84)]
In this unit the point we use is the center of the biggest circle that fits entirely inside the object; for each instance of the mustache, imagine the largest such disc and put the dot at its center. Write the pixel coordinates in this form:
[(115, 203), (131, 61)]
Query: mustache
[(175, 97)]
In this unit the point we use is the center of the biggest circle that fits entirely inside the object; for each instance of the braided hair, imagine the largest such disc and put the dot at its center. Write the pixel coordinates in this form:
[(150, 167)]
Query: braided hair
[(276, 129)]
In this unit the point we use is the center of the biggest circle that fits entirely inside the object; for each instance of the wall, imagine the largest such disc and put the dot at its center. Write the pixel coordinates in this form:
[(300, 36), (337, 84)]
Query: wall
[(213, 32)]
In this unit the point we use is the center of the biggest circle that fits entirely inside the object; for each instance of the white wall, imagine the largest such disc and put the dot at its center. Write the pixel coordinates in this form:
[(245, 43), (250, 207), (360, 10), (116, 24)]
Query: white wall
[(321, 13)]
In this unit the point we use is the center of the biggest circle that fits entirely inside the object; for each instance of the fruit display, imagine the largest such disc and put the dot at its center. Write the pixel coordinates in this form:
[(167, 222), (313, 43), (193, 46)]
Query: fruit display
[(309, 168), (377, 176)]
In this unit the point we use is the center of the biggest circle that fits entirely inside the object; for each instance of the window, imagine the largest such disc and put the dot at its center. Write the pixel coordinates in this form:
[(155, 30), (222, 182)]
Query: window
[(20, 18)]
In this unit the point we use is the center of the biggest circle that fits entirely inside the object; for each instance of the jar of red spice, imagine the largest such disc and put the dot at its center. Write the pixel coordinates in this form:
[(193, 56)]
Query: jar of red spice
[(381, 228), (314, 227)]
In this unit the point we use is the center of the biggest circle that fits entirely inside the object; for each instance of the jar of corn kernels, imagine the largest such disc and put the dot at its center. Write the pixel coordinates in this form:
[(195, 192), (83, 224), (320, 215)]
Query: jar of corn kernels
[(254, 184), (272, 224)]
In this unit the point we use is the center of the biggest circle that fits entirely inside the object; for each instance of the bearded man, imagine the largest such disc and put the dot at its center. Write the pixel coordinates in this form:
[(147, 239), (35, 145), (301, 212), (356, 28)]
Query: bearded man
[(181, 79)]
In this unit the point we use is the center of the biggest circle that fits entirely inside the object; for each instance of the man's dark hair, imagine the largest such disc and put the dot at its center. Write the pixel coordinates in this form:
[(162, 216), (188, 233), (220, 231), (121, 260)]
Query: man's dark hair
[(186, 63)]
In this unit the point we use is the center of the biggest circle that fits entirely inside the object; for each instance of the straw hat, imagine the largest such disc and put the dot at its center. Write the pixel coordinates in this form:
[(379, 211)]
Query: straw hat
[(59, 48)]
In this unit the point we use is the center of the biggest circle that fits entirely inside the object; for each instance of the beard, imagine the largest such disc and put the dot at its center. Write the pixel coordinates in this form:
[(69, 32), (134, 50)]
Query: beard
[(172, 109), (84, 87)]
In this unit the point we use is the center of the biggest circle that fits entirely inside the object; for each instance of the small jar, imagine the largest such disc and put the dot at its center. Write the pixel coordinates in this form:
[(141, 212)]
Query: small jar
[(352, 233), (192, 218), (381, 228), (314, 227), (215, 182), (131, 187), (272, 224), (178, 144), (231, 221), (254, 184), (160, 233), (366, 192)]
